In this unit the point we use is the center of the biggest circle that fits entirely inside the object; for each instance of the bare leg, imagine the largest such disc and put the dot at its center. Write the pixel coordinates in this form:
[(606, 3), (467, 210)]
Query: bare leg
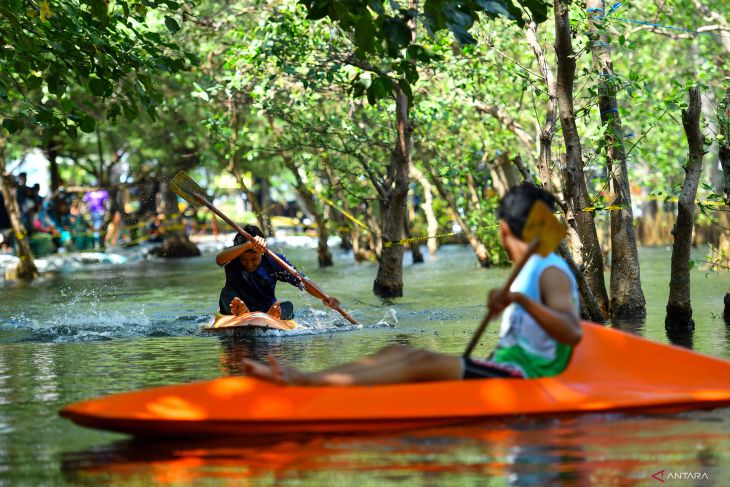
[(390, 366)]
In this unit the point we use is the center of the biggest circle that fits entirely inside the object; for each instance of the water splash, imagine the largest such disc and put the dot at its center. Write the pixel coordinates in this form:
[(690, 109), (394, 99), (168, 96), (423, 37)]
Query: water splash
[(93, 314)]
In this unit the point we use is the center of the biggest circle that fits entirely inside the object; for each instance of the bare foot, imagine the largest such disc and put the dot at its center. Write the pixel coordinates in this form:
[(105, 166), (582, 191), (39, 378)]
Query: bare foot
[(238, 307)]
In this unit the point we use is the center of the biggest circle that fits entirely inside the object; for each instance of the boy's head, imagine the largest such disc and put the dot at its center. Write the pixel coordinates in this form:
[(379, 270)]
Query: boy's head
[(250, 259), (516, 205)]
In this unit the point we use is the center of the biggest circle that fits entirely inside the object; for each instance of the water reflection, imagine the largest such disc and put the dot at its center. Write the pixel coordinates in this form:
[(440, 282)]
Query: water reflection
[(608, 449), (635, 326), (682, 336), (237, 347)]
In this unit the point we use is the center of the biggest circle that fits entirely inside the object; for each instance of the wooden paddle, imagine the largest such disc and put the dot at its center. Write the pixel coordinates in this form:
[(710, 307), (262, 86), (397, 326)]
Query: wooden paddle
[(190, 191), (544, 232)]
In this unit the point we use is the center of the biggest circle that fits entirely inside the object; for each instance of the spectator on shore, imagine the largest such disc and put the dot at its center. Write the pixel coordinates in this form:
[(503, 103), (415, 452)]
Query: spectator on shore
[(6, 234), (154, 228), (96, 201)]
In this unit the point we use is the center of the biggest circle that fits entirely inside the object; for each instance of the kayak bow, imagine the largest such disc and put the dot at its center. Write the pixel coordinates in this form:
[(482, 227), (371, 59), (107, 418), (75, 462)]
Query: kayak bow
[(248, 321), (610, 370)]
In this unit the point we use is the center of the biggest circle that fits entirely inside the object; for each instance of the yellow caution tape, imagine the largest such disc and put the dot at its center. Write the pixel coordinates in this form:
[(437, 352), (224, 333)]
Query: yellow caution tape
[(348, 215)]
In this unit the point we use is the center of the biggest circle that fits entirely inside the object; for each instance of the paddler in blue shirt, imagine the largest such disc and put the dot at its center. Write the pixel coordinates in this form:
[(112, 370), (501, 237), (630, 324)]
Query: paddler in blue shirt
[(251, 277), (540, 323)]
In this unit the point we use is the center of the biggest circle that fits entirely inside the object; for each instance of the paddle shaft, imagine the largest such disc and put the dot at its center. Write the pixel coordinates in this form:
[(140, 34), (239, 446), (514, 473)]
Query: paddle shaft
[(311, 286), (531, 249)]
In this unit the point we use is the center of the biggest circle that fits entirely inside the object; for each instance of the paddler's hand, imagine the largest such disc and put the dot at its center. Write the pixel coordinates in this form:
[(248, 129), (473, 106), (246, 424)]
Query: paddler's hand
[(498, 300), (259, 244), (331, 302)]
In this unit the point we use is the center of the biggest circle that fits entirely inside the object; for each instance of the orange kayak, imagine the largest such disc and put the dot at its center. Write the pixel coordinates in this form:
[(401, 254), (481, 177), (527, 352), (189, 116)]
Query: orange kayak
[(610, 370), (248, 321)]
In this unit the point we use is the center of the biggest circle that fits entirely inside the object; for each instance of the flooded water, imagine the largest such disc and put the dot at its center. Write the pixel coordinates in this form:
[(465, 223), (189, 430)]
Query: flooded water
[(110, 329)]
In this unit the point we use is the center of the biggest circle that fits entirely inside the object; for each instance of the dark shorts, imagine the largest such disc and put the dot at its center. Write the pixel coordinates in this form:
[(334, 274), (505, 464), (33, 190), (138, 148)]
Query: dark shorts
[(487, 369)]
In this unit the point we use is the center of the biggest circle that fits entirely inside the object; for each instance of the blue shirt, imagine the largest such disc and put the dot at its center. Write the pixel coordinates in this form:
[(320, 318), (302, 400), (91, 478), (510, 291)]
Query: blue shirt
[(257, 289)]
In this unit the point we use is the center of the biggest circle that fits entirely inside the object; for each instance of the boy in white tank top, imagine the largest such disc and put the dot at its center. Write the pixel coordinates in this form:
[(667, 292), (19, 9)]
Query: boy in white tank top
[(540, 324)]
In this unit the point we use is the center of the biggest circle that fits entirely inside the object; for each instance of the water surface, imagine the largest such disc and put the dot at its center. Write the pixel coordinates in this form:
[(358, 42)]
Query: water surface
[(111, 329)]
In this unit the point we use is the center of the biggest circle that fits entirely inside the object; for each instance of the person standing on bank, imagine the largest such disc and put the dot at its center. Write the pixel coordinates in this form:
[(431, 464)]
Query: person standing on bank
[(251, 277)]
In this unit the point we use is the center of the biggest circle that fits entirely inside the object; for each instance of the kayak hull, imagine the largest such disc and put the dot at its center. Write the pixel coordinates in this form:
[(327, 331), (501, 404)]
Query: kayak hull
[(610, 371), (248, 321)]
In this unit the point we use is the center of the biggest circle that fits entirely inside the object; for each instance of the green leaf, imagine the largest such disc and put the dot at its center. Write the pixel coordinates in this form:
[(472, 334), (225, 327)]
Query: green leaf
[(365, 34), (317, 9), (461, 35), (99, 9), (495, 7), (55, 84), (171, 24), (11, 125), (87, 124), (71, 130), (538, 9), (33, 82), (99, 87), (397, 35)]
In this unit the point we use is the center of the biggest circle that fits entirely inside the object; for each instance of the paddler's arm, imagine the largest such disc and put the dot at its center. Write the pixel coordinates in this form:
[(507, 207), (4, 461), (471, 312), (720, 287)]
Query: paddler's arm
[(226, 255), (311, 288), (556, 314)]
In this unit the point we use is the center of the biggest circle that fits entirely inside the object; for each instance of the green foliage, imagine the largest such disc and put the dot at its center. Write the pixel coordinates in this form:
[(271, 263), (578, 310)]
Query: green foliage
[(60, 61), (486, 224)]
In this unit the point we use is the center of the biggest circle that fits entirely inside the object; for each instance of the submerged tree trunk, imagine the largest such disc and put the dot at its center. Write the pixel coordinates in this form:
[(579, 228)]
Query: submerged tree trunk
[(627, 297), (431, 220), (679, 306), (415, 246), (26, 268), (574, 185), (393, 204), (175, 241)]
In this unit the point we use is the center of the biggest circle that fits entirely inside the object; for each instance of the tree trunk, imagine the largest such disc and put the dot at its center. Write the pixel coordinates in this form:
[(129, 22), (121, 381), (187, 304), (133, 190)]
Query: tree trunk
[(471, 185), (627, 297), (265, 205), (324, 257), (414, 246), (393, 204), (480, 250), (679, 306), (547, 131), (52, 149), (574, 185), (504, 174), (26, 268), (431, 220), (723, 121), (175, 241), (252, 199), (712, 166)]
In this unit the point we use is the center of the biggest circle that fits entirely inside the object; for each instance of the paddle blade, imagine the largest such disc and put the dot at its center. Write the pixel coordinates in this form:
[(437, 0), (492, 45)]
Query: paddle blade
[(543, 226), (186, 188)]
